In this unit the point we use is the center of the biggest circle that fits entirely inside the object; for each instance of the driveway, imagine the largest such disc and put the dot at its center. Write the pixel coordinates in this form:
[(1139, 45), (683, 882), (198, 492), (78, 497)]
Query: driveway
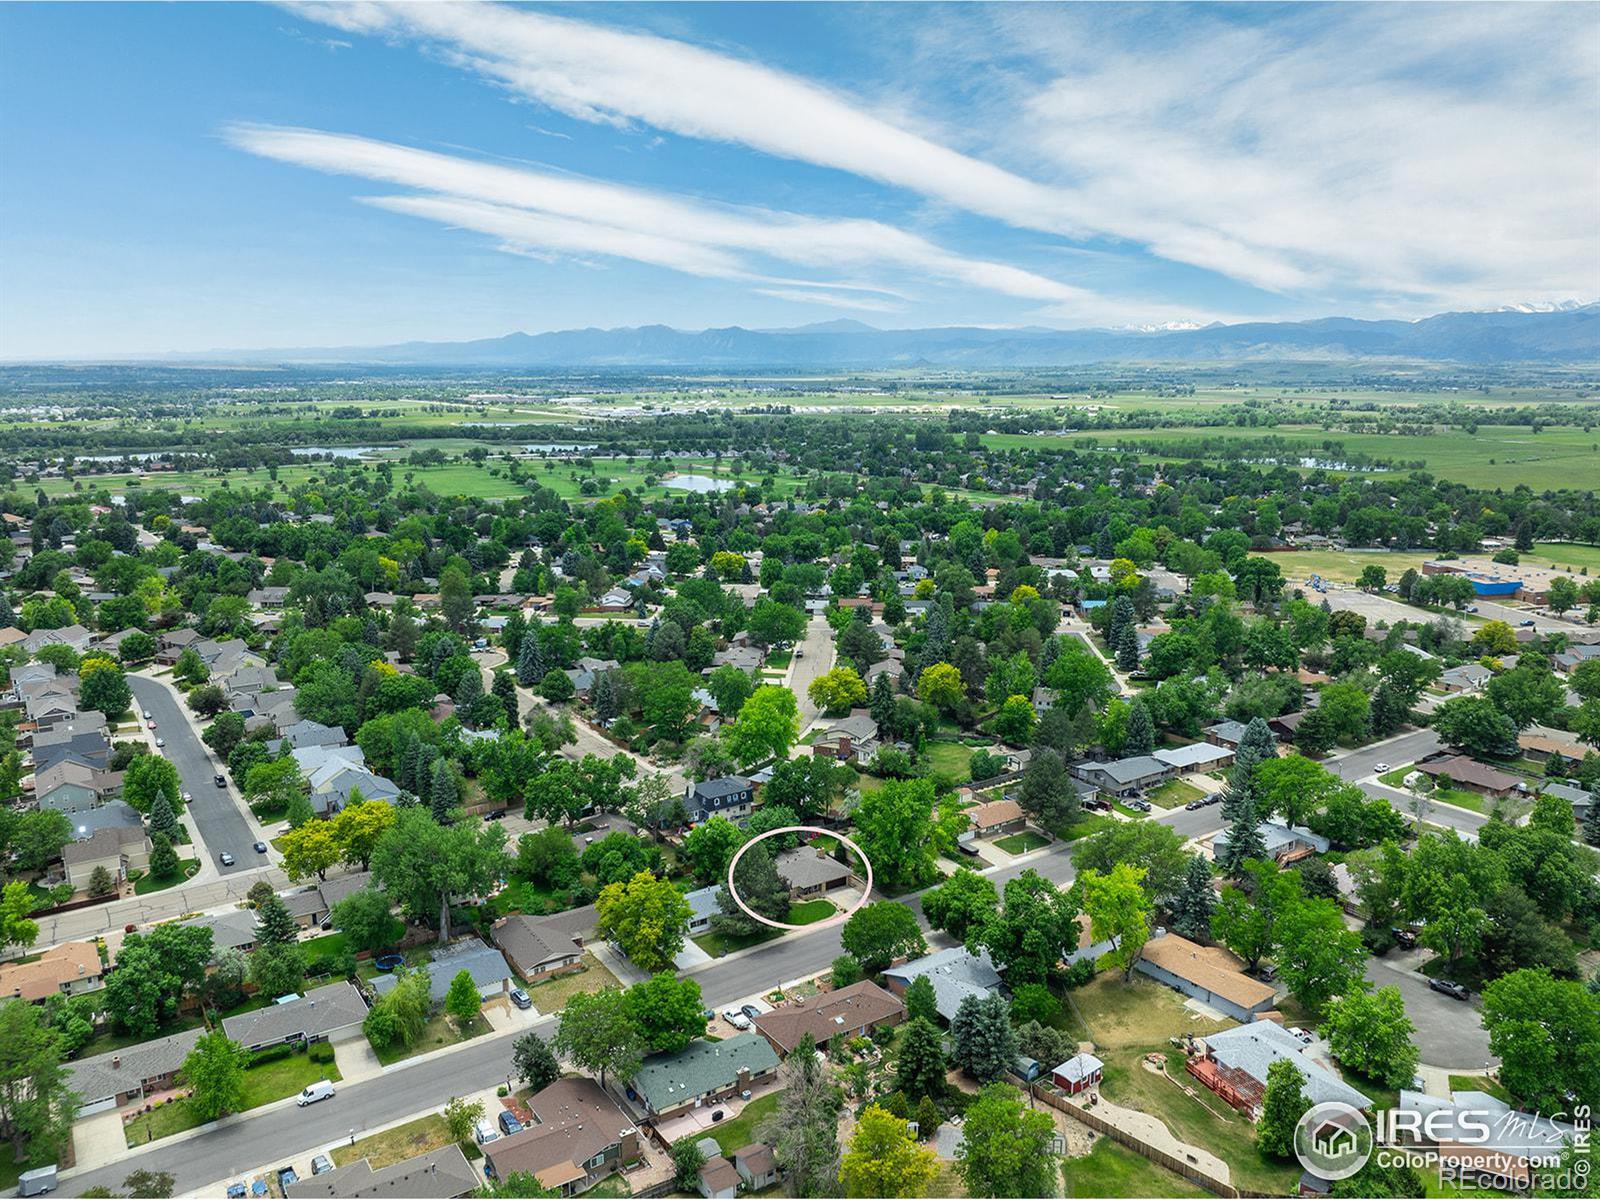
[(1450, 1033), (98, 1139), (215, 811)]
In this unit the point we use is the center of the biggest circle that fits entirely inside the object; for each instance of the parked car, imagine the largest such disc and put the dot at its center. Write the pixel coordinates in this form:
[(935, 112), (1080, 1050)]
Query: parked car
[(321, 1164), (521, 998), (287, 1176), (484, 1133), (152, 725), (225, 859), (509, 1123), (1451, 988), (1528, 624), (1266, 972), (750, 1010), (1197, 803), (145, 714), (799, 653), (261, 847), (188, 798), (160, 742), (1303, 1034), (1406, 937), (237, 1190), (220, 780), (1381, 768), (322, 1089)]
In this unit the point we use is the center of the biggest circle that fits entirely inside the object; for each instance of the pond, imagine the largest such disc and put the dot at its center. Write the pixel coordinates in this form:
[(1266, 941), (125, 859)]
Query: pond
[(698, 483)]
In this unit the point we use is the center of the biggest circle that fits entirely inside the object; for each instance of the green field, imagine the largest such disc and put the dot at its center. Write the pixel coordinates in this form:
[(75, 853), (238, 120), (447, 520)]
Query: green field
[(1022, 843), (1111, 1169)]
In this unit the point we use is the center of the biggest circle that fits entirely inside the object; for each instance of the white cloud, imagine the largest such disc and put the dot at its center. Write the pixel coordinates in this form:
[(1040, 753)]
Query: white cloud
[(1406, 154), (531, 209)]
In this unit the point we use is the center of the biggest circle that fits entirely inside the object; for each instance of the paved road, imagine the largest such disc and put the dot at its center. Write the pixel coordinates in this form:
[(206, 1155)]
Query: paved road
[(215, 810), (1449, 1033), (817, 660), (148, 910), (1359, 765)]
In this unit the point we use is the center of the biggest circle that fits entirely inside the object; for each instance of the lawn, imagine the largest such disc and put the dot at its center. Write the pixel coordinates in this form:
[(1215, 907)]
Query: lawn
[(809, 912), (1111, 1169), (440, 1031), (329, 945), (149, 883), (552, 995), (952, 759), (1480, 1083), (717, 945), (1022, 843), (397, 1144), (1082, 825), (263, 1084), (779, 659), (1461, 798), (1175, 793), (741, 1131)]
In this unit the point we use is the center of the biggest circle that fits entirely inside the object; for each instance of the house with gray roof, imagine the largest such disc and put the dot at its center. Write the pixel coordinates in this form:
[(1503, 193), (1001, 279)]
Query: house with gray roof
[(1284, 843), (534, 950), (1126, 776), (809, 872), (1253, 1048), (702, 907), (668, 1084), (234, 930), (111, 1080), (490, 972), (1469, 677), (440, 1174), (313, 733), (1572, 794), (1197, 756), (330, 1013), (731, 796), (955, 974)]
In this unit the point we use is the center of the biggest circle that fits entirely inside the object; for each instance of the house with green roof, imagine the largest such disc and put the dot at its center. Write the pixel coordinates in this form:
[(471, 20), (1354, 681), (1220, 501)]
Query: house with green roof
[(668, 1084)]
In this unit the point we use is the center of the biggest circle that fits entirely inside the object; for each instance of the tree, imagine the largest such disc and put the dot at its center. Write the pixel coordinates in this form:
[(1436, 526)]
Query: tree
[(556, 687), (922, 1065), (1014, 723), (103, 687), (1563, 594), (941, 685), (207, 700), (443, 795), (461, 1119), (667, 1012), (214, 1072), (1282, 1105), (921, 1000), (647, 917), (837, 691), (37, 1105), (1475, 725), (1141, 735), (1369, 1032), (1247, 924), (101, 883), (163, 858), (804, 1131), (845, 970), (423, 864), (687, 1159), (1318, 957), (398, 1016), (358, 828), (884, 1160), (895, 828), (532, 1062), (1141, 843), (163, 820), (278, 970), (1047, 793), (462, 1000), (709, 848), (766, 727), (1035, 928), (983, 1043), (1007, 1146), (148, 776), (149, 1185), (15, 905), (1456, 925), (963, 901), (1119, 910), (364, 918), (274, 925), (597, 1034), (878, 933), (760, 887), (309, 850), (1546, 1033), (1195, 901)]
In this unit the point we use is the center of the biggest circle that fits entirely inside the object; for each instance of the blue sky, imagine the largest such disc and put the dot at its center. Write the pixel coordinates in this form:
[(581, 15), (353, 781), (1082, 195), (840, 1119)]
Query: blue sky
[(187, 177)]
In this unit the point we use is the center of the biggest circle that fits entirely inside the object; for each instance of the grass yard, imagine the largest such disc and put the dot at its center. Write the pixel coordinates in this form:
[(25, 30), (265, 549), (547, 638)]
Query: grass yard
[(719, 945), (329, 945), (952, 759), (263, 1084), (397, 1144), (552, 995), (1175, 793), (1396, 777), (947, 1183), (779, 659), (1462, 798), (1022, 843), (440, 1031), (149, 883), (741, 1131), (1082, 825), (809, 912), (1480, 1083), (1111, 1169)]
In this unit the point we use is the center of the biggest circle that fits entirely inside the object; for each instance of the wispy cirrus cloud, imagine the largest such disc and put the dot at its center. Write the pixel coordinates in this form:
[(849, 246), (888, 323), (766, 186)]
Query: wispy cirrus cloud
[(1401, 154), (546, 211)]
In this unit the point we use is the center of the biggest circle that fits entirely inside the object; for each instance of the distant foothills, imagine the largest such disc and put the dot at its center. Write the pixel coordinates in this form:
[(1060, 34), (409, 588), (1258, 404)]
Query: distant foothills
[(1569, 334)]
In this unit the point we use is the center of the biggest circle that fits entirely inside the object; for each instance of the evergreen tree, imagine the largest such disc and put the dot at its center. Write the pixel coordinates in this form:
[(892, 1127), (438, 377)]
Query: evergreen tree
[(274, 925), (920, 999), (1255, 747), (162, 818), (1591, 823), (1192, 905), (1128, 649), (442, 797), (505, 691), (469, 690), (1244, 839), (983, 1042), (411, 764), (922, 1064), (1282, 1106), (1122, 617), (606, 698), (882, 704), (530, 661), (1141, 735)]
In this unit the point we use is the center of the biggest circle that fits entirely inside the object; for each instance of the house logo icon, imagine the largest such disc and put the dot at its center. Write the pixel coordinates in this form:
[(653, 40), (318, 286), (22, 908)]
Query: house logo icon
[(1333, 1140)]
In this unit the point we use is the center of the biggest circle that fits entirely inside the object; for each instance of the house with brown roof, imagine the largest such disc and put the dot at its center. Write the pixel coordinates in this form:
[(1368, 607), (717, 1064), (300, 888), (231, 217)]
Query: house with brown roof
[(1208, 973), (997, 818), (757, 1166), (534, 949), (1541, 744), (853, 1011), (579, 1137), (64, 970), (1471, 774)]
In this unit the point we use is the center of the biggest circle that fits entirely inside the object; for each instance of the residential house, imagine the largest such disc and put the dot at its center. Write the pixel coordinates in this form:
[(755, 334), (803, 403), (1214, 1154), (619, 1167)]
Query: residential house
[(74, 636), (1208, 973), (997, 818), (1541, 743), (732, 797), (90, 749), (117, 848), (1087, 947), (1574, 656), (1285, 844), (746, 658), (853, 1011), (171, 645), (74, 787), (1078, 1074), (955, 974), (441, 1174), (810, 873), (111, 1080), (234, 930), (336, 889), (579, 1136), (1125, 776), (64, 970), (1286, 725), (1572, 794), (1236, 1061), (267, 597), (114, 814), (702, 908), (1469, 677), (706, 1072), (1481, 1135), (854, 738), (1227, 734), (1197, 756), (534, 950), (757, 1166), (1471, 774), (490, 972), (331, 1013)]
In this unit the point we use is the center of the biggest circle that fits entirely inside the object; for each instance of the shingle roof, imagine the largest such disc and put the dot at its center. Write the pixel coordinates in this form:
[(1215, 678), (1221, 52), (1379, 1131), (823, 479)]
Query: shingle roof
[(1194, 755), (1206, 966), (530, 943), (806, 868), (666, 1080), (1130, 770), (437, 1175), (1078, 1068), (849, 1008), (1254, 1047), (996, 812), (577, 1120), (318, 1013), (97, 1078), (955, 974)]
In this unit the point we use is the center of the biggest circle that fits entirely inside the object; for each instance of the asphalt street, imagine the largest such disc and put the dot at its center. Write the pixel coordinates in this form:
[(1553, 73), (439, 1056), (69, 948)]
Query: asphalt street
[(1449, 1033), (215, 810)]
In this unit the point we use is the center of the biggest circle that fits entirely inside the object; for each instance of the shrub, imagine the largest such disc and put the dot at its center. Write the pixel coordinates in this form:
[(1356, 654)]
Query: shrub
[(322, 1052), (1079, 973)]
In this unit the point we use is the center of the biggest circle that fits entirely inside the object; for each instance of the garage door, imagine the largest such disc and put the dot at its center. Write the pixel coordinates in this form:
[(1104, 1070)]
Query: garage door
[(99, 1106)]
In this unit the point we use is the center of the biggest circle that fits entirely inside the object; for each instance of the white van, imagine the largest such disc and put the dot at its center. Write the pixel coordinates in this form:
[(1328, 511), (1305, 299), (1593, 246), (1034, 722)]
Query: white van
[(484, 1132), (319, 1090)]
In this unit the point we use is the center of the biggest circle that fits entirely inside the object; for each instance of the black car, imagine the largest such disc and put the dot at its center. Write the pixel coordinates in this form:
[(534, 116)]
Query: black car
[(220, 780), (261, 847), (1450, 988)]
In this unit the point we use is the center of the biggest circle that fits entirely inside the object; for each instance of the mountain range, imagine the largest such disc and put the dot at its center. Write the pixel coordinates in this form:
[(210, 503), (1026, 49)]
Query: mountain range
[(1565, 334)]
